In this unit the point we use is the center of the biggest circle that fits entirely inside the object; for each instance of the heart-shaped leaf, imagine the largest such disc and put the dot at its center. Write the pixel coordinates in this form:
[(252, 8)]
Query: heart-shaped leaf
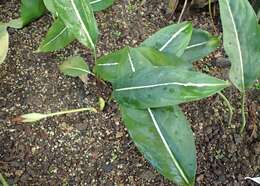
[(241, 41), (120, 63), (57, 37), (99, 5), (4, 43), (202, 43), (164, 86), (172, 39), (75, 66), (79, 18), (165, 139)]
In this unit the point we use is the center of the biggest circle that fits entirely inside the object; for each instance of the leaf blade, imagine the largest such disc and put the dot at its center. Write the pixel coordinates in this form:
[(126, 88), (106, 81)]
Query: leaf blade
[(4, 43), (99, 5)]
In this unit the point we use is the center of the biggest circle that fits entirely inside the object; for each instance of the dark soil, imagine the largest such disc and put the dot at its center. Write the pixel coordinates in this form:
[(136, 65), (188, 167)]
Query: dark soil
[(95, 149)]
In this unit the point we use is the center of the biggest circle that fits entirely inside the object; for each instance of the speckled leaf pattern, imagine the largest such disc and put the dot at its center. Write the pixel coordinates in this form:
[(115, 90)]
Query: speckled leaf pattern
[(31, 10), (74, 66), (99, 5), (241, 41), (202, 43), (120, 63), (164, 86), (79, 18), (4, 43), (165, 138), (172, 39), (57, 37)]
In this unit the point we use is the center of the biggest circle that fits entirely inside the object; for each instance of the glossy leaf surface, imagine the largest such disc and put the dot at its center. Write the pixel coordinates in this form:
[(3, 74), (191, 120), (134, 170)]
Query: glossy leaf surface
[(241, 41), (57, 37), (74, 66), (79, 18), (172, 39), (31, 10), (120, 63), (99, 5), (165, 138), (202, 43), (164, 86), (4, 42)]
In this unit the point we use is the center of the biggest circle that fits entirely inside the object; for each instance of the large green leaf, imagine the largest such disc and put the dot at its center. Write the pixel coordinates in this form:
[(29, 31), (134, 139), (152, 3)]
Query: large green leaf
[(202, 43), (31, 10), (57, 37), (172, 39), (165, 138), (164, 86), (49, 4), (241, 41), (74, 66), (4, 42), (120, 63), (99, 5), (79, 18)]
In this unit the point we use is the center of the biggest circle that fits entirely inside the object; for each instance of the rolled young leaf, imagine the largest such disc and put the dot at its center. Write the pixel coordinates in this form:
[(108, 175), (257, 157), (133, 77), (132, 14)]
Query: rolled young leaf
[(241, 41), (202, 43), (4, 42), (164, 86), (172, 39), (74, 66), (79, 18), (165, 139), (120, 63), (57, 37), (98, 5)]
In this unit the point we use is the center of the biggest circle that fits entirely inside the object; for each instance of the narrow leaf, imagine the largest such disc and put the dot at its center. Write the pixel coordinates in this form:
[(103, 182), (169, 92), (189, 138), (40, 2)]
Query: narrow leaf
[(164, 86), (74, 66), (257, 179), (4, 43), (120, 63), (165, 138), (202, 43), (57, 37), (172, 39), (241, 41), (98, 5), (79, 18)]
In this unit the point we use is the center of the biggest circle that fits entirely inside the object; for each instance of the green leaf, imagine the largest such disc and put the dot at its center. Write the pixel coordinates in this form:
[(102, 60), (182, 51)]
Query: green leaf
[(172, 39), (4, 42), (164, 86), (3, 181), (241, 41), (57, 37), (99, 5), (165, 138), (120, 63), (79, 18), (202, 43), (74, 66), (49, 4), (31, 10)]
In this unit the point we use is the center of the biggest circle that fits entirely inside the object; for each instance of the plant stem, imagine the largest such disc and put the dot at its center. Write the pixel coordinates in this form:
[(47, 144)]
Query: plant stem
[(2, 180), (211, 17), (243, 112), (71, 111), (229, 107), (182, 11)]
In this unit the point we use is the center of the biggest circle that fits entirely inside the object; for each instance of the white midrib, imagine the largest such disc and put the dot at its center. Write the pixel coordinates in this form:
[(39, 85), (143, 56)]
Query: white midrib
[(170, 83), (93, 2), (82, 24), (53, 39), (108, 64), (176, 163), (173, 37), (238, 45), (196, 45), (80, 69)]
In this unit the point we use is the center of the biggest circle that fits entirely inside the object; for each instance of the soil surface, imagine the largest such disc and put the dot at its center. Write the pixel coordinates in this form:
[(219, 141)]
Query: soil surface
[(95, 149)]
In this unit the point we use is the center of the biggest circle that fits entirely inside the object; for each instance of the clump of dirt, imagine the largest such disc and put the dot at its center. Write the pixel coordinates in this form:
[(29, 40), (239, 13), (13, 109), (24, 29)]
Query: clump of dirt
[(95, 149)]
